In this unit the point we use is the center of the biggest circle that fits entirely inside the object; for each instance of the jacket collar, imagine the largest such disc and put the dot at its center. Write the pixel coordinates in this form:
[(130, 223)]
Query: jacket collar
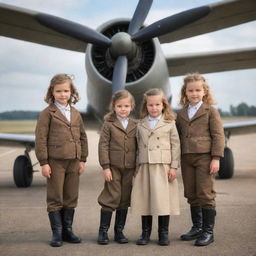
[(131, 125), (57, 114), (161, 122), (201, 111)]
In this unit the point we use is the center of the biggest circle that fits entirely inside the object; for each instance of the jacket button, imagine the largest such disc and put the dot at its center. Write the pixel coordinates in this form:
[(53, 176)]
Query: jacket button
[(158, 138)]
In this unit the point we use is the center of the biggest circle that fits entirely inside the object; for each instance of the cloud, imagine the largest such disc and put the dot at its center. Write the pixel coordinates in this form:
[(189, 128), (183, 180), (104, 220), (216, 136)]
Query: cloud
[(27, 68)]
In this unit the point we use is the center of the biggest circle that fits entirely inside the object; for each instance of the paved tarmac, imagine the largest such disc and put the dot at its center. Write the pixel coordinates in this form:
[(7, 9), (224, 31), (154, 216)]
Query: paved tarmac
[(25, 230)]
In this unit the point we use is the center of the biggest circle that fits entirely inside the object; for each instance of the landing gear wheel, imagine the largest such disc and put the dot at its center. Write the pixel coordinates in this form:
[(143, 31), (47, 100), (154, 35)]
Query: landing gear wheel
[(22, 171), (226, 165)]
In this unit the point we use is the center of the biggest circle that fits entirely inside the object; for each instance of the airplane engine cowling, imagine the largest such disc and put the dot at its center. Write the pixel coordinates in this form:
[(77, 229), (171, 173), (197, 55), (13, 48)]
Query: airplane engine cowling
[(146, 69)]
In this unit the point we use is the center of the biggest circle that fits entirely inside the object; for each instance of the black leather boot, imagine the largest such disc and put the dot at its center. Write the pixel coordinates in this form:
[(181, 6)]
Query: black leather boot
[(119, 226), (208, 225), (67, 221), (163, 227), (196, 230), (105, 219), (146, 230), (56, 225)]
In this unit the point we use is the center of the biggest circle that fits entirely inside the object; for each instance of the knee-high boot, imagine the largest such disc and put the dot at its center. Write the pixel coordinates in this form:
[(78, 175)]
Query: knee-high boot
[(163, 228), (196, 230), (119, 226), (105, 219), (146, 222), (208, 225), (56, 226), (67, 221)]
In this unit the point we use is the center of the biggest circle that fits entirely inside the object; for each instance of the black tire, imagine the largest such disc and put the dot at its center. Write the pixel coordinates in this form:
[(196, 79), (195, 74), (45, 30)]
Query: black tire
[(22, 171), (226, 165)]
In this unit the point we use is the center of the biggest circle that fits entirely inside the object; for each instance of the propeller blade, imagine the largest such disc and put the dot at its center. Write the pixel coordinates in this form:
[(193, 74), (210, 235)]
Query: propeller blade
[(73, 29), (139, 16), (171, 23), (119, 74)]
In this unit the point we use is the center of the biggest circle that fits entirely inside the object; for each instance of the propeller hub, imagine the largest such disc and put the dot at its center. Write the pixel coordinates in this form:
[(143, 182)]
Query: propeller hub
[(121, 45)]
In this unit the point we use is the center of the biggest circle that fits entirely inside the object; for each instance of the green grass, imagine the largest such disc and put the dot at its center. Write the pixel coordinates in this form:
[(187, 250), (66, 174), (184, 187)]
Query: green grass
[(237, 118), (18, 126), (28, 126)]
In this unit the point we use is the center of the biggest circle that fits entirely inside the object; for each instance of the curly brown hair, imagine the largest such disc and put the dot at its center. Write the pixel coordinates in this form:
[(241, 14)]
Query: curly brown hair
[(119, 95), (59, 79), (192, 77), (167, 112)]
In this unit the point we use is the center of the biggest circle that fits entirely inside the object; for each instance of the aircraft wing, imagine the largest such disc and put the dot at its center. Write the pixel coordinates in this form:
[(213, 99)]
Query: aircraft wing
[(212, 61), (224, 14), (240, 127), (232, 128), (8, 139), (20, 23)]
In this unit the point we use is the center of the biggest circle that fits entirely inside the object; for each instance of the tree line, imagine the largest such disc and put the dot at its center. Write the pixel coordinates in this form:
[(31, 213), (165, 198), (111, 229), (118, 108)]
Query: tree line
[(241, 109), (19, 115)]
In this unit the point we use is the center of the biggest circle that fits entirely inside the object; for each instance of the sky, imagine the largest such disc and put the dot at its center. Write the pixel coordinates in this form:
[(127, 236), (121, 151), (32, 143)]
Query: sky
[(27, 68)]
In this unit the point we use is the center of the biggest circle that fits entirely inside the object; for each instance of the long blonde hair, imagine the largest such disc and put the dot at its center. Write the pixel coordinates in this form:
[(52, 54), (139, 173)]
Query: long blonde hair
[(192, 77), (167, 112), (59, 79), (119, 95)]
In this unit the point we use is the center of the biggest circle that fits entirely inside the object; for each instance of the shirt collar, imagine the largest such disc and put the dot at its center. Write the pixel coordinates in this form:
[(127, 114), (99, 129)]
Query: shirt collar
[(59, 106), (122, 119), (197, 106), (150, 118)]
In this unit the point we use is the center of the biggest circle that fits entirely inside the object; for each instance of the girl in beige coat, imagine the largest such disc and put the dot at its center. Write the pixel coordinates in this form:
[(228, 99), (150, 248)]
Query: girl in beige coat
[(155, 188)]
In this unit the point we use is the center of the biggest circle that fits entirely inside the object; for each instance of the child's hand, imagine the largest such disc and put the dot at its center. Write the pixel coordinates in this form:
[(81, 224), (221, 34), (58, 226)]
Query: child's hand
[(46, 171), (172, 174), (81, 167), (214, 166), (107, 175)]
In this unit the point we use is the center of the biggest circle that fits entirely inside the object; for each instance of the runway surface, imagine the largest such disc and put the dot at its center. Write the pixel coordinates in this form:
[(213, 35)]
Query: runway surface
[(25, 230)]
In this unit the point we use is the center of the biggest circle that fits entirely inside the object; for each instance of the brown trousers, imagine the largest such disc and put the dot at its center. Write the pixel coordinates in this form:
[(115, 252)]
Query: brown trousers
[(197, 180), (117, 193), (62, 187)]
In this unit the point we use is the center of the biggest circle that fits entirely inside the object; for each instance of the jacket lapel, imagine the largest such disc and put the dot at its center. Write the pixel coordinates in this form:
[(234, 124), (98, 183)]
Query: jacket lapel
[(118, 124), (131, 125), (145, 123), (160, 123), (73, 115), (57, 114), (184, 114), (201, 111)]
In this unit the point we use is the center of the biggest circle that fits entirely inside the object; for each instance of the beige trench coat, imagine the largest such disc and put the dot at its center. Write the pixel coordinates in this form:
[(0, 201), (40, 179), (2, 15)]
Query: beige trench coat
[(158, 150)]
